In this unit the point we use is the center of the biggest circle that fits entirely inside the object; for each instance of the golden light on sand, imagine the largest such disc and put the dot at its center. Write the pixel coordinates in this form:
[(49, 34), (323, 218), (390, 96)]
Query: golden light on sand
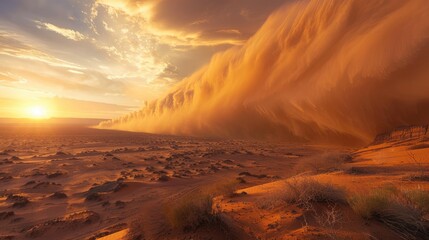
[(38, 112)]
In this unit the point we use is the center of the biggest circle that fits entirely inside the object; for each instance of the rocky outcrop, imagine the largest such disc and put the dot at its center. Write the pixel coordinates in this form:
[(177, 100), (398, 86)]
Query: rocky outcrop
[(403, 134)]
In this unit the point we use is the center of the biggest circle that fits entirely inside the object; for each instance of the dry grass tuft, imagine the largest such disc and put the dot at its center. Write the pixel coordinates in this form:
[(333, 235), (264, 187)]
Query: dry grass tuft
[(194, 209), (225, 188), (135, 231), (326, 162), (402, 211), (190, 211), (422, 174), (304, 191)]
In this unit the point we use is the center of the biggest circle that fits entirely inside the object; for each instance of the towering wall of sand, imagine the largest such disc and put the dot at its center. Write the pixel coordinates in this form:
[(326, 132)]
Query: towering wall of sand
[(321, 70)]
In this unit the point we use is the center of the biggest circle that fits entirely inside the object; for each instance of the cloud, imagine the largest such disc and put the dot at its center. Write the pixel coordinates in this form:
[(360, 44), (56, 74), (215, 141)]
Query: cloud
[(134, 50), (199, 22), (13, 48), (67, 33), (213, 20), (324, 71), (132, 7), (79, 49)]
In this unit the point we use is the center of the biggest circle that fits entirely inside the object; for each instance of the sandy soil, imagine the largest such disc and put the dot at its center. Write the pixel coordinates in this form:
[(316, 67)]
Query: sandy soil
[(71, 182), (376, 166)]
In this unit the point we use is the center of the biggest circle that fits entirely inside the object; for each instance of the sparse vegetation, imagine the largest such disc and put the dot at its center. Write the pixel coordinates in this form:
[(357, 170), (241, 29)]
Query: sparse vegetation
[(135, 230), (326, 162), (320, 201), (304, 191), (419, 198), (421, 174), (400, 210), (226, 188), (190, 211), (331, 219), (195, 208)]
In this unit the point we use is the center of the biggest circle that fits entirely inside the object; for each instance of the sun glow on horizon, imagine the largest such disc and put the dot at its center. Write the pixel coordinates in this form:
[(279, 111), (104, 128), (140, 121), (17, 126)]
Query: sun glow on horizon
[(38, 112)]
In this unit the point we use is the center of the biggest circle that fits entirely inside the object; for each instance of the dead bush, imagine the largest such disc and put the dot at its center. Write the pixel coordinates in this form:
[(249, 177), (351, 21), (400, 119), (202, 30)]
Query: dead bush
[(190, 211), (304, 192)]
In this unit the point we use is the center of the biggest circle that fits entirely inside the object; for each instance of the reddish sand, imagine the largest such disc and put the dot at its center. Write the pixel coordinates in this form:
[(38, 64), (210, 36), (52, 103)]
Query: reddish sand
[(41, 160), (72, 182), (386, 164)]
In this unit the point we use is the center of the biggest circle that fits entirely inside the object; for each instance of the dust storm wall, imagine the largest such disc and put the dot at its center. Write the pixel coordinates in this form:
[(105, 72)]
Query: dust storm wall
[(321, 70)]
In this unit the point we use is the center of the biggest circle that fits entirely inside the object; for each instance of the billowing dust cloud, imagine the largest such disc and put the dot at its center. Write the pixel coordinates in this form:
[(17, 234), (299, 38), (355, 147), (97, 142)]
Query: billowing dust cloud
[(322, 70)]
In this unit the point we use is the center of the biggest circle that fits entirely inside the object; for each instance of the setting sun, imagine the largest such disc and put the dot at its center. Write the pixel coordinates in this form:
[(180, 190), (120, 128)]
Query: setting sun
[(202, 119), (38, 112)]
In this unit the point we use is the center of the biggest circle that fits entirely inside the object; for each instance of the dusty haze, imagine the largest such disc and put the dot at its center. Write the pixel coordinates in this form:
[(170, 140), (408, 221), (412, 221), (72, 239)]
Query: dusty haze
[(316, 70)]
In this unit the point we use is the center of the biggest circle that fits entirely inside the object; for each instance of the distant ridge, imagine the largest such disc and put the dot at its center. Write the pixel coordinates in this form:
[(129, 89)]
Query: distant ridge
[(403, 133)]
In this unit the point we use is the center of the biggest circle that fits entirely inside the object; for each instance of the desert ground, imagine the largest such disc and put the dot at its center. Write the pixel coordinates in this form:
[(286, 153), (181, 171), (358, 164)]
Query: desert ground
[(63, 181)]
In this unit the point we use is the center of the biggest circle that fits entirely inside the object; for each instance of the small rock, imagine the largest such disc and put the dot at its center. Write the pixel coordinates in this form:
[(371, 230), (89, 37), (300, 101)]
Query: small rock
[(5, 215), (163, 178), (60, 153), (30, 183), (112, 186), (7, 237), (18, 200), (273, 225), (245, 174), (137, 176), (6, 178), (54, 175), (227, 161), (93, 197), (120, 204), (58, 195), (241, 180)]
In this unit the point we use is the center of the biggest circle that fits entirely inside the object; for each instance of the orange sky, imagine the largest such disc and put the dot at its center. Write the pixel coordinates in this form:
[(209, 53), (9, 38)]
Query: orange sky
[(104, 58)]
